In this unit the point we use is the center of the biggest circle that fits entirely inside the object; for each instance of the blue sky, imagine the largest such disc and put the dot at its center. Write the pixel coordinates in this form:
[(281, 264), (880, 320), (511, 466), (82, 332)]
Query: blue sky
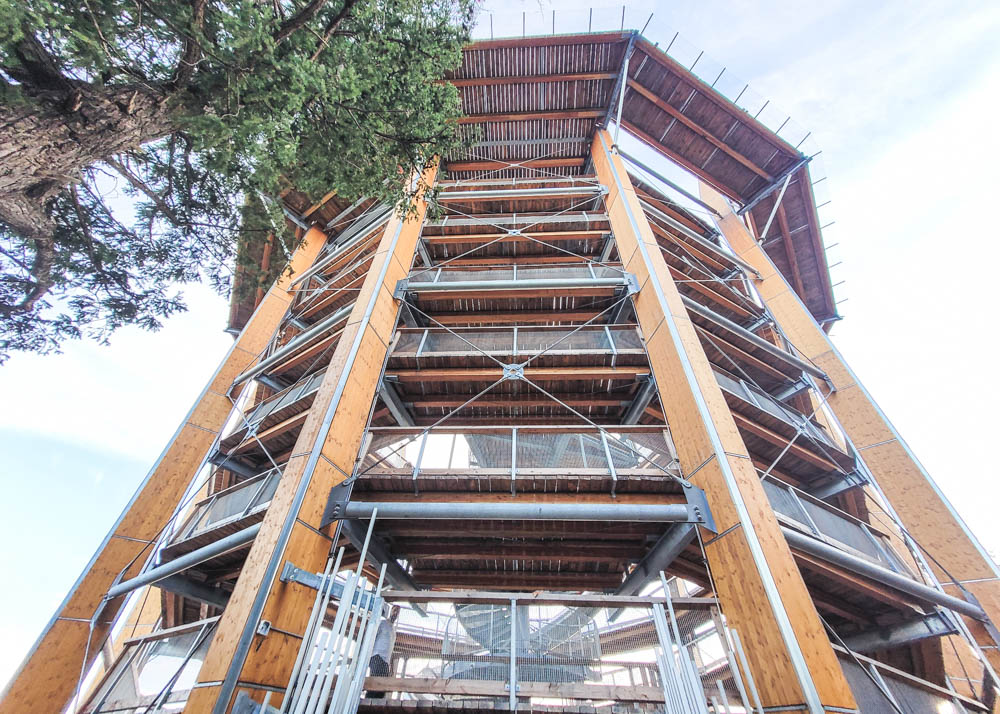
[(901, 97)]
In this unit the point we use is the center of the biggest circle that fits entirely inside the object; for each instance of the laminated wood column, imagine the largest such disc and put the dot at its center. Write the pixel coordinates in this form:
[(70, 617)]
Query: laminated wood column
[(322, 457), (917, 500), (758, 584), (47, 678)]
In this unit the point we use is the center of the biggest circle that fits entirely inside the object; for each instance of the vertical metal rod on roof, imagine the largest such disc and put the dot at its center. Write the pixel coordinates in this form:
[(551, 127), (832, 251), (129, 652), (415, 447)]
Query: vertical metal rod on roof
[(719, 77), (491, 25), (553, 22), (691, 68), (808, 134), (672, 39), (524, 24), (623, 18), (649, 20), (766, 102), (590, 23), (745, 88), (778, 130)]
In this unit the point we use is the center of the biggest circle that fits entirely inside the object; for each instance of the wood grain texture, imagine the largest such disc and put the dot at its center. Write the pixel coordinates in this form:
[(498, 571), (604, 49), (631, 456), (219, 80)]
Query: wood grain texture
[(684, 378), (323, 456), (47, 678), (921, 506)]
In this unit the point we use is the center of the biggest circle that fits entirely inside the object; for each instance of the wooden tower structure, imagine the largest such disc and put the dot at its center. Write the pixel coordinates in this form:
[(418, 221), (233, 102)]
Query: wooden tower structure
[(506, 414)]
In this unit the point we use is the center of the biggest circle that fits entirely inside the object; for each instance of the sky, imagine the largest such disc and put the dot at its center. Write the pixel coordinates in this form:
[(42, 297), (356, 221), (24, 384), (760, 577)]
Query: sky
[(901, 97)]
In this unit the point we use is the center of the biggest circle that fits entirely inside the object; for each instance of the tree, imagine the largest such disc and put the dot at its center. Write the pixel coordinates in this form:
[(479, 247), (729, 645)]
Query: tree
[(201, 112)]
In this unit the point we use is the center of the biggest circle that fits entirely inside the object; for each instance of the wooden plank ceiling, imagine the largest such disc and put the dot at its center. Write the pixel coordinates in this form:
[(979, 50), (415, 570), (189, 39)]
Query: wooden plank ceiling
[(537, 101)]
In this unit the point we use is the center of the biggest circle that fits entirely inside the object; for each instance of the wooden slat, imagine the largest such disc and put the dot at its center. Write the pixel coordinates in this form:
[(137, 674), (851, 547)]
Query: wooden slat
[(463, 166), (699, 130), (531, 79)]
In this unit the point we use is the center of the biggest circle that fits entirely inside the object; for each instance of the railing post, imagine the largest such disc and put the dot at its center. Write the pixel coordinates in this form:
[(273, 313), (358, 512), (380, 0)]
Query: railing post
[(611, 463), (420, 458), (512, 697), (611, 345), (513, 461)]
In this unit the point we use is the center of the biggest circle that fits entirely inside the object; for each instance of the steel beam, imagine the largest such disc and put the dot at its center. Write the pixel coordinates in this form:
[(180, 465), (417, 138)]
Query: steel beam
[(934, 625), (763, 344), (188, 560), (179, 585), (231, 463), (658, 176), (407, 286), (294, 344), (671, 513), (532, 193), (646, 393), (387, 390), (659, 557), (773, 186), (865, 568)]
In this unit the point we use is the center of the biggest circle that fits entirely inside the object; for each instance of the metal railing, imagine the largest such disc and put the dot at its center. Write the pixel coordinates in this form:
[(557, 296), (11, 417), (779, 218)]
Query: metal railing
[(230, 505), (154, 673), (832, 525), (775, 408), (447, 274), (519, 453), (878, 688), (521, 652), (303, 388), (527, 341)]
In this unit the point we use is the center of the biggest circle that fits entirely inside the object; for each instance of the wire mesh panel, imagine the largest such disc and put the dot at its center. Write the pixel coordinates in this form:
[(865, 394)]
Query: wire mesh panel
[(231, 504), (562, 340), (541, 455), (877, 690), (831, 524), (558, 654), (495, 341), (155, 673)]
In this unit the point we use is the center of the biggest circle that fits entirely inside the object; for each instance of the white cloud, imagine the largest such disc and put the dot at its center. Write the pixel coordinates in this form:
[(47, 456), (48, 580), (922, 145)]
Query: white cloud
[(126, 398)]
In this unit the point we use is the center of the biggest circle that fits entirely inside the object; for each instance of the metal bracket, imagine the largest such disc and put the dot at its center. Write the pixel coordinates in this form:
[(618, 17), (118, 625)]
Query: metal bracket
[(336, 504), (513, 371), (292, 574), (698, 507), (759, 323), (632, 283), (264, 628), (400, 290)]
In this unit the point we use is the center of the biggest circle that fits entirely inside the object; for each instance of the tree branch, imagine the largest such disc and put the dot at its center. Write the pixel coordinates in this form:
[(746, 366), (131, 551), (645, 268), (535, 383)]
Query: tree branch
[(42, 69), (331, 28), (298, 20), (141, 186), (189, 58)]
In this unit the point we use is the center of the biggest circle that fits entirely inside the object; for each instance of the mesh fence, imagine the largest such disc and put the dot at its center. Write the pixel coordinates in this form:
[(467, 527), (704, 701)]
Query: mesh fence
[(231, 504), (154, 674), (597, 338), (562, 655), (826, 521), (451, 275), (876, 691), (519, 453)]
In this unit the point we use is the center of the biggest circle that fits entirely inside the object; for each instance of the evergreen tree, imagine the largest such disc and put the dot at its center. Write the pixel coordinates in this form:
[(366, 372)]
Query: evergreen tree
[(200, 112)]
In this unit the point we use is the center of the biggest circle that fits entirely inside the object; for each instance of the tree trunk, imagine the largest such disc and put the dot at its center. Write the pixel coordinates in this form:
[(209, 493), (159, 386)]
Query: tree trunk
[(48, 140)]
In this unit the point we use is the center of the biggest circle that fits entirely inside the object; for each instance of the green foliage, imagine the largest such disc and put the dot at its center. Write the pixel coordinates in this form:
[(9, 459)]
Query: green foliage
[(257, 96)]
